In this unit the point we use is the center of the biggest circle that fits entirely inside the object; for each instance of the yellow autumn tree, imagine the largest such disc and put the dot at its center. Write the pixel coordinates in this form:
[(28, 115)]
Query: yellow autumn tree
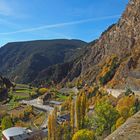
[(126, 105), (72, 117), (84, 134), (42, 90), (52, 125), (81, 105), (119, 122)]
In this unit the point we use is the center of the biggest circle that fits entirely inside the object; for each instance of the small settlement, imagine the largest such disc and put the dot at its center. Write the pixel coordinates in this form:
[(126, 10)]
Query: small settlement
[(43, 103)]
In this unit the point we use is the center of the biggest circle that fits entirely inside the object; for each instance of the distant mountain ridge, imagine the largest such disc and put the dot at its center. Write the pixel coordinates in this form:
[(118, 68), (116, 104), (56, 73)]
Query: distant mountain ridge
[(23, 61)]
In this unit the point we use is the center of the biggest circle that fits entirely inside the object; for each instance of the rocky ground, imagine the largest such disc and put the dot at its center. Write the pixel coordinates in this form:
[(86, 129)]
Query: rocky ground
[(130, 130)]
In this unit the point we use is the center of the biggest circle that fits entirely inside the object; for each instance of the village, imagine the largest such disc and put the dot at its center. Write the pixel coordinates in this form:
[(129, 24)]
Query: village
[(40, 107)]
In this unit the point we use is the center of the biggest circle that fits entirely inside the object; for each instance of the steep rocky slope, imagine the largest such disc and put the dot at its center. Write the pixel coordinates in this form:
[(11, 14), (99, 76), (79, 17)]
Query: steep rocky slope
[(23, 61), (123, 41), (130, 130), (114, 59)]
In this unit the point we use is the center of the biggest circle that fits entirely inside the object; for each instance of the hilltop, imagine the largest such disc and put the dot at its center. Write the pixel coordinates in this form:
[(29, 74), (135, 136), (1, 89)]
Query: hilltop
[(23, 61)]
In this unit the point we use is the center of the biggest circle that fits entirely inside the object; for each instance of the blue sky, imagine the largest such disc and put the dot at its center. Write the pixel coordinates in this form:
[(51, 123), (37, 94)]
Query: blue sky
[(50, 19)]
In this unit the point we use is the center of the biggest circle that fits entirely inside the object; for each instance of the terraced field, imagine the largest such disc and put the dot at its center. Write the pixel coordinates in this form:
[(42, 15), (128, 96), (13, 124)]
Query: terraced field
[(21, 92), (24, 91)]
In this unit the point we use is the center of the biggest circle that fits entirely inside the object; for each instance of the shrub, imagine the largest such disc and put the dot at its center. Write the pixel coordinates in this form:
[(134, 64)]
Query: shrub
[(119, 122), (42, 90), (84, 134)]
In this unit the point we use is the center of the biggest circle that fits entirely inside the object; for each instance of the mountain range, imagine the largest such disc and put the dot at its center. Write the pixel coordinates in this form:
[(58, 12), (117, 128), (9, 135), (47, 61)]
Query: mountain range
[(113, 60)]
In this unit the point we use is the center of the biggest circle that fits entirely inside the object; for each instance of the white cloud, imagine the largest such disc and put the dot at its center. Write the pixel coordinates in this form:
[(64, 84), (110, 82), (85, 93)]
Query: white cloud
[(5, 8), (60, 25), (12, 8), (8, 23)]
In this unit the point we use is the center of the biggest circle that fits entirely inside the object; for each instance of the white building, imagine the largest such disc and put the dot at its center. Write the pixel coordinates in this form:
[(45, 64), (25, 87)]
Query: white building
[(16, 133), (19, 133)]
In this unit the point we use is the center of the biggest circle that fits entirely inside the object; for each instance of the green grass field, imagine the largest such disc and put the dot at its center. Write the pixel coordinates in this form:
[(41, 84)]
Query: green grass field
[(21, 92), (61, 97)]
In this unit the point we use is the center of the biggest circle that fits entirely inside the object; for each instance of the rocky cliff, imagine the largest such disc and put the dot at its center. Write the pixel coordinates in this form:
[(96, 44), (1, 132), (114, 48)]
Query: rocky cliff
[(122, 42)]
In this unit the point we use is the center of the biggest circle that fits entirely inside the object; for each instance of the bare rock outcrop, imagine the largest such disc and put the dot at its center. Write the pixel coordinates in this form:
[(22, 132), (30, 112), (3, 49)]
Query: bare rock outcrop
[(130, 130), (121, 40)]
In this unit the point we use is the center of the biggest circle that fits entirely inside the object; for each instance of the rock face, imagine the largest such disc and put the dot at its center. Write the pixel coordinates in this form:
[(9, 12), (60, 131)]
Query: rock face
[(121, 40), (130, 130)]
